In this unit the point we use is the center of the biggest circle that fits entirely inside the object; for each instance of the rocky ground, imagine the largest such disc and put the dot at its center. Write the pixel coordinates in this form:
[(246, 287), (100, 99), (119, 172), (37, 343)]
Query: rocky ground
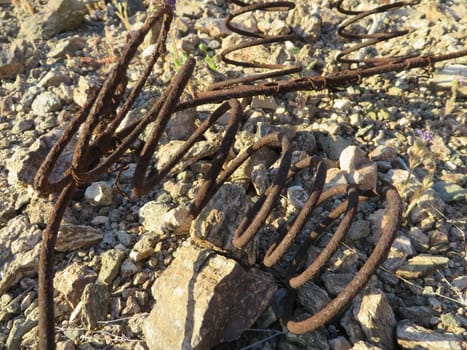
[(112, 248)]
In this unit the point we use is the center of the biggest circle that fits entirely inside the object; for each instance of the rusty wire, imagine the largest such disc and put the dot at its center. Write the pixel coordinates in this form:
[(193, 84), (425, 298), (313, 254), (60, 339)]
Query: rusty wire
[(100, 146)]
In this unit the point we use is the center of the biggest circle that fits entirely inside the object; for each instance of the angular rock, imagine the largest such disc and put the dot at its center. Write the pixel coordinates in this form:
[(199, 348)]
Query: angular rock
[(413, 336), (450, 192), (419, 239), (358, 230), (220, 218), (98, 193), (128, 268), (358, 169), (401, 248), (95, 300), (71, 237), (336, 282), (376, 318), (420, 314), (44, 103), (55, 17), (72, 280), (305, 21), (21, 326), (12, 59), (383, 153), (19, 251), (111, 261), (312, 297), (144, 248), (151, 216), (203, 299), (24, 164), (333, 145), (422, 265)]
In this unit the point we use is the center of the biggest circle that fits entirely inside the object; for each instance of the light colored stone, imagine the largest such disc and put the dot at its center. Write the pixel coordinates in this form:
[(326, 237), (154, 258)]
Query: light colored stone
[(44, 103), (55, 17), (19, 251), (375, 317), (72, 280), (203, 299), (422, 265), (98, 193), (111, 261), (383, 153), (357, 168), (144, 248), (177, 220), (128, 268), (362, 345), (413, 336), (401, 248), (151, 216)]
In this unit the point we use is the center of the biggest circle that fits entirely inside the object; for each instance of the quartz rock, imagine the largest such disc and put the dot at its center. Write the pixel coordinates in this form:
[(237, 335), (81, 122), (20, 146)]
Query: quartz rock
[(98, 193), (357, 168), (201, 289), (45, 102)]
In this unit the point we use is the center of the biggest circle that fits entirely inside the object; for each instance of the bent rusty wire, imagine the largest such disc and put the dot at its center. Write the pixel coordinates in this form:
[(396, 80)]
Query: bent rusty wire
[(100, 145)]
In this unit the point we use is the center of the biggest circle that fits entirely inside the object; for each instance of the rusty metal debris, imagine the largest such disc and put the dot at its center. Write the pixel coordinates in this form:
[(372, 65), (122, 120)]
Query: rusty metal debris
[(100, 146)]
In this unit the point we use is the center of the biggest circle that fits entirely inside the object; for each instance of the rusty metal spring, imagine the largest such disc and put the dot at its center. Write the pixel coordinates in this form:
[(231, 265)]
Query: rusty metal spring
[(254, 39), (100, 145), (372, 37)]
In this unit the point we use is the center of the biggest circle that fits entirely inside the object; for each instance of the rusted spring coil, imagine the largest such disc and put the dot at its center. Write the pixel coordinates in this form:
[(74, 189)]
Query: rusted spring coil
[(258, 213), (256, 39), (372, 38)]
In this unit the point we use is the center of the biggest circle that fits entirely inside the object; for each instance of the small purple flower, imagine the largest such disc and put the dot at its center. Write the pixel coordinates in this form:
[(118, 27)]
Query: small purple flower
[(425, 135), (172, 4)]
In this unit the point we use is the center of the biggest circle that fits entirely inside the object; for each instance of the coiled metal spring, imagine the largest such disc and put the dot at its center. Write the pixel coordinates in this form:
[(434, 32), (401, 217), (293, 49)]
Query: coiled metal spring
[(101, 144)]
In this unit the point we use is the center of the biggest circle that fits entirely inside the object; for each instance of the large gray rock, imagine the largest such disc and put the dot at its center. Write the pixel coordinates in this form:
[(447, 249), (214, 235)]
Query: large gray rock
[(56, 17), (203, 299)]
